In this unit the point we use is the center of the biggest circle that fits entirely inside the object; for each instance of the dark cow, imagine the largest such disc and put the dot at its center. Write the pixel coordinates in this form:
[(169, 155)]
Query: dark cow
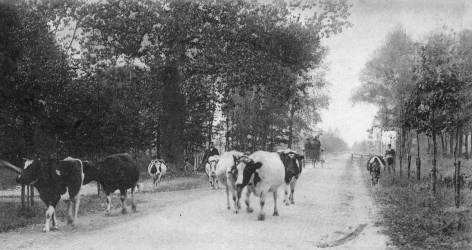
[(52, 178), (115, 172), (293, 168), (374, 165)]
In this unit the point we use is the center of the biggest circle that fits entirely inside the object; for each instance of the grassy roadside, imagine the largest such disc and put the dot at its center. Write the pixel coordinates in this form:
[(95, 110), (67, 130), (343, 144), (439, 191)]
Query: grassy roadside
[(414, 219), (90, 204)]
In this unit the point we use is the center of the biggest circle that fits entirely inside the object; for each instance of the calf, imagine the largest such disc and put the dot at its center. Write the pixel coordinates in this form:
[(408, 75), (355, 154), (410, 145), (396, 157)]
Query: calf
[(115, 172), (226, 174), (374, 165), (293, 168), (157, 170), (266, 171), (52, 178), (210, 169)]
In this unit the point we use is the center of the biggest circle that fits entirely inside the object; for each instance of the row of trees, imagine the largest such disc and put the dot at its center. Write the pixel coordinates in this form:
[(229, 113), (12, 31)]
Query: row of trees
[(422, 87), (92, 78)]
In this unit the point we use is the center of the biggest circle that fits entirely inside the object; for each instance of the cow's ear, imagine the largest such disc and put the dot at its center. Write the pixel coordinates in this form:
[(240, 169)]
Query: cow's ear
[(257, 165)]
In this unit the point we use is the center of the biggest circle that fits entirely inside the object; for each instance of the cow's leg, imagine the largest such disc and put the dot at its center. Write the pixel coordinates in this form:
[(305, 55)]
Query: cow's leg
[(249, 189), (77, 205), (49, 214), (286, 198), (261, 215), (123, 199), (54, 221), (276, 211), (70, 211), (237, 206), (133, 205), (108, 211), (227, 197), (292, 190)]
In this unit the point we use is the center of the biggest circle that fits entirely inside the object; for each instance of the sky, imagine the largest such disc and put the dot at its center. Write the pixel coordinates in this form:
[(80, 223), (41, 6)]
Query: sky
[(371, 21)]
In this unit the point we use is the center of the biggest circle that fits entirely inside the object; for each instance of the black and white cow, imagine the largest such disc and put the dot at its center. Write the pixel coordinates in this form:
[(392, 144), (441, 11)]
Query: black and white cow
[(374, 164), (115, 172), (52, 178), (157, 170), (210, 170), (226, 174), (293, 168), (264, 170)]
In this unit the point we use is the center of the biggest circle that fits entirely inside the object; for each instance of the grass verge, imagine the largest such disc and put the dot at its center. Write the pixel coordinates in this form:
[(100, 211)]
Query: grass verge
[(415, 219)]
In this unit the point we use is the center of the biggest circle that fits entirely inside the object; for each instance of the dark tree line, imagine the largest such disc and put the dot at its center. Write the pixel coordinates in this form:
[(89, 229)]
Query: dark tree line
[(93, 78)]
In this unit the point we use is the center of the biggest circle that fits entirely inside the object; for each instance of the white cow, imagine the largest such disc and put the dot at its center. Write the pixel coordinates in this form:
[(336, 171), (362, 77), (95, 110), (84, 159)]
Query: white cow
[(266, 171), (210, 169), (226, 174), (157, 170)]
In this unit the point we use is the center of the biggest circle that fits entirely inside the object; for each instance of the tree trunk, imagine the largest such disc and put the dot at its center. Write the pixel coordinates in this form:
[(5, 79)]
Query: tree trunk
[(172, 117), (457, 183), (428, 150), (408, 151), (451, 144), (227, 145), (402, 150), (434, 169), (22, 196), (31, 202), (443, 149), (460, 142), (466, 144), (290, 128), (418, 158)]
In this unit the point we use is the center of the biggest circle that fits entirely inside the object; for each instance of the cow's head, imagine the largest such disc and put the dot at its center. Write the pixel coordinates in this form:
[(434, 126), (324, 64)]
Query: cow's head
[(245, 169), (33, 170), (90, 171)]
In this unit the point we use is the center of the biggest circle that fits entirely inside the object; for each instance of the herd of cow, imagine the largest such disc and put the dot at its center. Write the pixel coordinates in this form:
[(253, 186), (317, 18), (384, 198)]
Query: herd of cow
[(260, 173), (53, 178)]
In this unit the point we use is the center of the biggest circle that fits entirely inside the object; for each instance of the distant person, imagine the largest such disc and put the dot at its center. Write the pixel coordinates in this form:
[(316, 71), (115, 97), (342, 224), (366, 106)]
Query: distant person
[(309, 149), (390, 158), (322, 157), (210, 151)]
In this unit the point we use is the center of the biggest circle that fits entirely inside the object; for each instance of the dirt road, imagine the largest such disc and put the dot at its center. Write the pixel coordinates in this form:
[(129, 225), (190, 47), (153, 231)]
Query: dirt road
[(333, 209)]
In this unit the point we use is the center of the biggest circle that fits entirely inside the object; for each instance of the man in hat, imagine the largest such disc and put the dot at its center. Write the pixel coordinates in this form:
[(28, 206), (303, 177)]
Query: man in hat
[(390, 158)]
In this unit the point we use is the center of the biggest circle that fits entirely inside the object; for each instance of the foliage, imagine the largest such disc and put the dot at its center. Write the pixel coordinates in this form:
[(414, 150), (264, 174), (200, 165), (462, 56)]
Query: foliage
[(34, 97), (127, 75), (387, 79)]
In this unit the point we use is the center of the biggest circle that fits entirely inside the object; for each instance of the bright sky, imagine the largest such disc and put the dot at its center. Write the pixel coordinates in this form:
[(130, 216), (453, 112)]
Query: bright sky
[(350, 50)]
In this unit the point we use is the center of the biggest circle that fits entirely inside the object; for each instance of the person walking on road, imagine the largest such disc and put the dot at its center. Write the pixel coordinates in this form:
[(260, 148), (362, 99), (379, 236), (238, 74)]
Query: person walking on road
[(390, 158), (210, 151)]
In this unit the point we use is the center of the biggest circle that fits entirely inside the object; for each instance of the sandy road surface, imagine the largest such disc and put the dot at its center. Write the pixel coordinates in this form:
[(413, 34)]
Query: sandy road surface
[(333, 209)]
